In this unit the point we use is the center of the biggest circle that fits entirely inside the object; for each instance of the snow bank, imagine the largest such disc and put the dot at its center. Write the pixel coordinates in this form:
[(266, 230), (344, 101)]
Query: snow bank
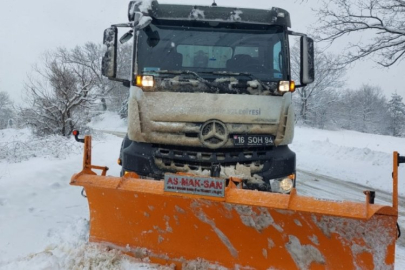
[(71, 250), (18, 145), (108, 121), (44, 220), (348, 155), (36, 200), (11, 134)]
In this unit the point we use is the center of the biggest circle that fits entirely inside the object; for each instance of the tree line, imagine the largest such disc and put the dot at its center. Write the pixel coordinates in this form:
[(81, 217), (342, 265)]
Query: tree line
[(327, 103), (365, 110), (374, 30)]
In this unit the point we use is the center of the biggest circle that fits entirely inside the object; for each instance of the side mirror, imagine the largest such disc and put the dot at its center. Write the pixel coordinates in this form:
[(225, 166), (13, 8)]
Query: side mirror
[(307, 73), (109, 62)]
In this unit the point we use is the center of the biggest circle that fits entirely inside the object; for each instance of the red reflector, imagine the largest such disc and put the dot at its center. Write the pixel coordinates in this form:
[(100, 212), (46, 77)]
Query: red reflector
[(75, 132)]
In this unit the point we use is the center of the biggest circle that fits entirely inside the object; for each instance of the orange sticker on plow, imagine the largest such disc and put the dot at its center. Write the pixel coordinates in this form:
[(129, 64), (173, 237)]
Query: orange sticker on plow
[(205, 186)]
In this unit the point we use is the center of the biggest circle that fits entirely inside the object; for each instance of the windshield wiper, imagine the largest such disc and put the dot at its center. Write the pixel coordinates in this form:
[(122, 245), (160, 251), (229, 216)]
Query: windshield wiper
[(209, 84), (227, 73)]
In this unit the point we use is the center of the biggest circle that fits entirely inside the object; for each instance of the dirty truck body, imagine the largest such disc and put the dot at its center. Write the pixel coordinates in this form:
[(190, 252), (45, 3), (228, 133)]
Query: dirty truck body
[(205, 91), (210, 115)]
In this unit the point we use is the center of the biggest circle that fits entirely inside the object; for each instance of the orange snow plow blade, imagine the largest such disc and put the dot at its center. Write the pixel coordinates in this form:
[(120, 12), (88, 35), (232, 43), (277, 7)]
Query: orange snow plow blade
[(243, 230)]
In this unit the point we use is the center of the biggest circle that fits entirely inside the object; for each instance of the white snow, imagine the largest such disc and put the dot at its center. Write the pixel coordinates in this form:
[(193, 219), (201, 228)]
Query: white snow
[(144, 22), (197, 14), (146, 6), (143, 5), (18, 145), (71, 250), (235, 16), (44, 220), (353, 156), (108, 121)]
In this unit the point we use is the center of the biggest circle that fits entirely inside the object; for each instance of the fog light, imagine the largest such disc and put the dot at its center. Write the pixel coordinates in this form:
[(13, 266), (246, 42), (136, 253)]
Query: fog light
[(286, 185)]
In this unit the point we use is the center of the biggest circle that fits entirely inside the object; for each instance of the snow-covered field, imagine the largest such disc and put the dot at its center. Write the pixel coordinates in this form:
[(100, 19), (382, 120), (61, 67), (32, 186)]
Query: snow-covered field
[(348, 155), (43, 220)]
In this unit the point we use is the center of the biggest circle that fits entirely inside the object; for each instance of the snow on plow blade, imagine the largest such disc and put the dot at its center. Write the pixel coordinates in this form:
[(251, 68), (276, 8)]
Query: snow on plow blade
[(244, 229)]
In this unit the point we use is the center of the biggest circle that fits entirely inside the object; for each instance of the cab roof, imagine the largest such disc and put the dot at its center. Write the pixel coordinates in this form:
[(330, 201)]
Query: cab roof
[(273, 16)]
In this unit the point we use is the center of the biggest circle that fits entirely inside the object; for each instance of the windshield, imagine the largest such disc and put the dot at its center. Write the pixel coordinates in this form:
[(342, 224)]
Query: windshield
[(213, 51)]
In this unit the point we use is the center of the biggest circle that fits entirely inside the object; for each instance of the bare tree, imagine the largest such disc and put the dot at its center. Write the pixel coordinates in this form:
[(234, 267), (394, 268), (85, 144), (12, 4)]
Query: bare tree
[(396, 109), (59, 96), (313, 100), (89, 56), (345, 111), (364, 110), (382, 21), (6, 110)]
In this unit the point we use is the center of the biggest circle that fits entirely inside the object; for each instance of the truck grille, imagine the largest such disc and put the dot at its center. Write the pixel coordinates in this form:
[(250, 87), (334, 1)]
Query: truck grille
[(196, 160)]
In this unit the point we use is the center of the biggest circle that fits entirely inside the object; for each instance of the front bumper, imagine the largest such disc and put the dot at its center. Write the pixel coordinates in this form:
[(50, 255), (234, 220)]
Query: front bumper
[(154, 161)]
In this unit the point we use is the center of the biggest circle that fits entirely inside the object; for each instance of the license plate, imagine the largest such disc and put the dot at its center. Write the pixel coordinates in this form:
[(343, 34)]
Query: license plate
[(253, 140), (206, 186)]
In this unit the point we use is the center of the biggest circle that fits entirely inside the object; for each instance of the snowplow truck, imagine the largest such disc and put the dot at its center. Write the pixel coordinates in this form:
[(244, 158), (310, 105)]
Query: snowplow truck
[(210, 92), (210, 115)]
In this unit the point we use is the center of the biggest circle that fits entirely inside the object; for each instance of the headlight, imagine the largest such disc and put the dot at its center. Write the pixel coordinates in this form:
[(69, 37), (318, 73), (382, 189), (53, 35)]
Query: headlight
[(286, 86), (283, 185), (145, 81)]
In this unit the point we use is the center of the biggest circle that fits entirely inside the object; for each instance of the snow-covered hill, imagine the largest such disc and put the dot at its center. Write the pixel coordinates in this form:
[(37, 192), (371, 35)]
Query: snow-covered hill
[(348, 155), (43, 220)]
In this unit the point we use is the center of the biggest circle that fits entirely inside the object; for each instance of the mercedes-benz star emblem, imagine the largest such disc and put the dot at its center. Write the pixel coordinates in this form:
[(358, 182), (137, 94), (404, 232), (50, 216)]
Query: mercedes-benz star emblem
[(214, 134)]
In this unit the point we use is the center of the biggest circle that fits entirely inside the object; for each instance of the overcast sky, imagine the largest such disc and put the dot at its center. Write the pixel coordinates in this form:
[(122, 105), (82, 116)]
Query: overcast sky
[(30, 28)]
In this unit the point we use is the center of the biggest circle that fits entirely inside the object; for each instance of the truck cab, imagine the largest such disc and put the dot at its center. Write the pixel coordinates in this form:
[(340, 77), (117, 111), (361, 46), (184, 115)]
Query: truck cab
[(210, 92)]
